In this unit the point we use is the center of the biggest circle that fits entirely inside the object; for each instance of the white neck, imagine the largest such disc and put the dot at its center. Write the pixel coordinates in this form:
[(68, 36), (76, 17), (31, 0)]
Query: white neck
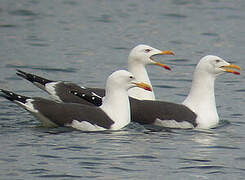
[(116, 106), (201, 99), (140, 73)]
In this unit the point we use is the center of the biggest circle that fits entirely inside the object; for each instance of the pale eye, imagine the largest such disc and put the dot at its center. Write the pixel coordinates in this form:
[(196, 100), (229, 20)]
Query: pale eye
[(147, 50)]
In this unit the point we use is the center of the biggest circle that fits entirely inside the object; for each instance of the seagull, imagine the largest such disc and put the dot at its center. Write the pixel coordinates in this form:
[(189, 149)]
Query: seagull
[(198, 110), (139, 57), (113, 114)]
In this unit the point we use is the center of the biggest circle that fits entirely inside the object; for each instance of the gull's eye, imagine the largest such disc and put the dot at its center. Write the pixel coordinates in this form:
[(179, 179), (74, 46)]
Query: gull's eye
[(217, 61), (147, 50), (131, 77)]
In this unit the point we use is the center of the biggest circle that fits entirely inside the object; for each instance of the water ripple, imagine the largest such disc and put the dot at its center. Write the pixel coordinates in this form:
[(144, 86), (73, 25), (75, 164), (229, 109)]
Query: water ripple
[(203, 167), (174, 15), (217, 172), (104, 18), (222, 124), (47, 69), (72, 3), (221, 147), (240, 90), (236, 115), (8, 26), (77, 148), (186, 160), (138, 157), (177, 42), (119, 48), (48, 156), (59, 176), (8, 160), (88, 163), (165, 86), (93, 158), (240, 158), (37, 171), (180, 60), (38, 44), (210, 34), (125, 169), (23, 12)]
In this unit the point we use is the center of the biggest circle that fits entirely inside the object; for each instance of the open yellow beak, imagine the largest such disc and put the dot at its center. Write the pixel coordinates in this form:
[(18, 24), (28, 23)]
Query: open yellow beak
[(160, 64), (233, 66), (144, 86), (167, 53)]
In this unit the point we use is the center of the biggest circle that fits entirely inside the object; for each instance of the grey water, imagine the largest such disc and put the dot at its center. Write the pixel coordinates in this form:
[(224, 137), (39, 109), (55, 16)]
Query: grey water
[(83, 42)]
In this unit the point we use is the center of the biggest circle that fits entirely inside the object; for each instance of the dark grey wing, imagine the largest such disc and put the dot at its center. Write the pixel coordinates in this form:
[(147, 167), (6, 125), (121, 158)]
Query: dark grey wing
[(60, 114), (146, 112), (63, 89), (64, 113)]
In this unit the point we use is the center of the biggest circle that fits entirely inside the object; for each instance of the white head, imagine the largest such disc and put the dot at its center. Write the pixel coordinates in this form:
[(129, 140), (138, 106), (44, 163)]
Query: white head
[(143, 54), (123, 79), (215, 66), (116, 102), (201, 98), (139, 57)]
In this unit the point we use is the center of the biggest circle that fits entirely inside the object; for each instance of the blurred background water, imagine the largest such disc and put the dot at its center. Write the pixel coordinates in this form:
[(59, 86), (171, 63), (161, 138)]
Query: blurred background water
[(84, 41)]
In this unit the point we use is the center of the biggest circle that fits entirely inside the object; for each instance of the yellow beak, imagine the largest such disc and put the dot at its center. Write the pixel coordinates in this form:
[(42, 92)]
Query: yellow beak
[(227, 69), (144, 86), (167, 53), (160, 64)]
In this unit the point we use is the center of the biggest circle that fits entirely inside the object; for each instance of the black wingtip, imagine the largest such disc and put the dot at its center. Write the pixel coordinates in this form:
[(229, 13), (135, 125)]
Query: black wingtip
[(18, 70), (33, 78), (6, 94), (11, 96), (22, 74)]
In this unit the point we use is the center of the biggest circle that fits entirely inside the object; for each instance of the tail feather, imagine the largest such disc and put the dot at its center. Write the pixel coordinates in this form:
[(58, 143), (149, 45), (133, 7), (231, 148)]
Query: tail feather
[(33, 78), (13, 96)]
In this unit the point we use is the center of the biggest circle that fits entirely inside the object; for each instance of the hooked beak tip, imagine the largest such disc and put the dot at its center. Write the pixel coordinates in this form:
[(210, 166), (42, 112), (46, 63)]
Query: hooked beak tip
[(167, 53), (144, 86)]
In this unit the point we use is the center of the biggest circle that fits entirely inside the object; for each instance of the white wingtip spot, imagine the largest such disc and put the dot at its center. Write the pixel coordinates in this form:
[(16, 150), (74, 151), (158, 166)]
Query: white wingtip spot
[(94, 94)]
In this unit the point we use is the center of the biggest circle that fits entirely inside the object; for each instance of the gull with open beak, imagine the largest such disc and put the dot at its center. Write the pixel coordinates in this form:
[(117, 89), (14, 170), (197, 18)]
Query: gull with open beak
[(139, 57)]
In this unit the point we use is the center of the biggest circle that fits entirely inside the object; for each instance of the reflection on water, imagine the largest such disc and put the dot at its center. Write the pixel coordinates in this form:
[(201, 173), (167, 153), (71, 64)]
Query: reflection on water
[(206, 138)]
